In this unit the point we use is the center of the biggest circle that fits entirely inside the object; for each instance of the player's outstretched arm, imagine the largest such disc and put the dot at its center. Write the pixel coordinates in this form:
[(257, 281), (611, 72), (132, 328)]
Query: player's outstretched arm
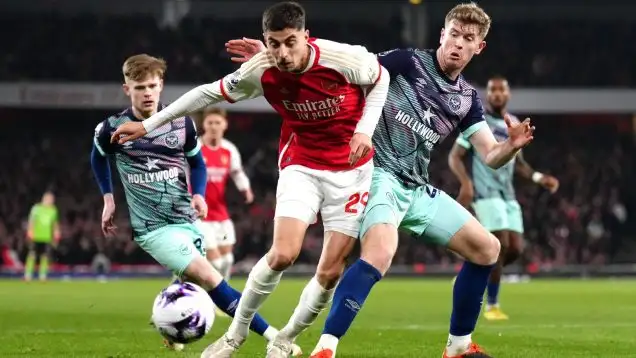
[(456, 164), (238, 86), (523, 168)]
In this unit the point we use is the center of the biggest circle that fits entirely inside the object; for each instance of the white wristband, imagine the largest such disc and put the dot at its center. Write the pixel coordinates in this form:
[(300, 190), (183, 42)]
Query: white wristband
[(536, 177)]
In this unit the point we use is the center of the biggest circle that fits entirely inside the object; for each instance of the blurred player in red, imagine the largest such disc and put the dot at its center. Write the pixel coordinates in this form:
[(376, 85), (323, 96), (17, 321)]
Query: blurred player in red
[(330, 96), (222, 161)]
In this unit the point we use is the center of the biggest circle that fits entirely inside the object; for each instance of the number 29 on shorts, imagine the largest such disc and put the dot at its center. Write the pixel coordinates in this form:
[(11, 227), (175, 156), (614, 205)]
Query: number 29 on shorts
[(356, 199)]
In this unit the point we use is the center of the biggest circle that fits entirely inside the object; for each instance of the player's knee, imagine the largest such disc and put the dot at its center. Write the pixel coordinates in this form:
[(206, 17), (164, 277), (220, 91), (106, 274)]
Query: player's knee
[(280, 259), (201, 272), (512, 254), (488, 252), (328, 275), (379, 245)]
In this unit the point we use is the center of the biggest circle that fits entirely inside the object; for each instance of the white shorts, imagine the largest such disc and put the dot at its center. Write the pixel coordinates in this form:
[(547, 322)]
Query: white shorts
[(339, 196), (217, 233)]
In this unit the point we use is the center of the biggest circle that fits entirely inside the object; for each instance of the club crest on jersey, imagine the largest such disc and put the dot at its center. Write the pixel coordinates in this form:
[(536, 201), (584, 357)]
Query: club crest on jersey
[(454, 103), (233, 80), (172, 140), (329, 85), (224, 159)]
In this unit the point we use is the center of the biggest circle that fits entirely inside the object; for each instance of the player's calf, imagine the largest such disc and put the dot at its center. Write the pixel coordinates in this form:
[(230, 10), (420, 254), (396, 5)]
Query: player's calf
[(319, 291), (481, 249), (378, 246)]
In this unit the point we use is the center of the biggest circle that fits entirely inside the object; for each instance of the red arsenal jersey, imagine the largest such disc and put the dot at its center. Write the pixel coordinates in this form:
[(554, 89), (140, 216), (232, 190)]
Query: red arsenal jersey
[(220, 163), (320, 106)]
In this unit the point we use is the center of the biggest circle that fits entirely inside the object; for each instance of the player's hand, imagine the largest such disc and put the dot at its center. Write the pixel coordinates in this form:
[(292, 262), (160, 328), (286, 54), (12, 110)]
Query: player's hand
[(30, 235), (244, 49), (199, 205), (466, 194), (519, 134), (360, 146), (108, 227), (550, 183), (127, 132), (249, 196)]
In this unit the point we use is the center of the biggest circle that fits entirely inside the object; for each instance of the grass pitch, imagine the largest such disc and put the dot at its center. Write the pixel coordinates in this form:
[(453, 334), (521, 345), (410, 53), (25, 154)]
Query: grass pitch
[(402, 318)]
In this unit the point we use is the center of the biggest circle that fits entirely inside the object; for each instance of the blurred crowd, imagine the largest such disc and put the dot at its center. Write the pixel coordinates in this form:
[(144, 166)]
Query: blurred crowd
[(585, 222), (91, 48)]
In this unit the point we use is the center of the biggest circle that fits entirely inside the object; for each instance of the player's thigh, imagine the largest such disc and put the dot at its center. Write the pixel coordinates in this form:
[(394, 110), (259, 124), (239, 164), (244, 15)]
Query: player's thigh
[(438, 218), (229, 236), (492, 213), (346, 194), (174, 246), (388, 202)]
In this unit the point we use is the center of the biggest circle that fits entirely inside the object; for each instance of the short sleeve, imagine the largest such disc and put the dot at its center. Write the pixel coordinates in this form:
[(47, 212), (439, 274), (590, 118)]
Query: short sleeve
[(474, 119), (192, 145), (101, 138), (245, 83), (462, 142), (398, 61)]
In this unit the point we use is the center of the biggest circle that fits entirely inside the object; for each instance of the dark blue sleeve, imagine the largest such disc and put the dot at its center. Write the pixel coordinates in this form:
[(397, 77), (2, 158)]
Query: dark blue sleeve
[(474, 119), (398, 61), (101, 140), (192, 145), (101, 169), (198, 173)]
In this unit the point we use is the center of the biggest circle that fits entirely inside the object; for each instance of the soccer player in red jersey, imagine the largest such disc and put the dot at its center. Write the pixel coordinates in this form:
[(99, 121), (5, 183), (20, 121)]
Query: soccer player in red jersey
[(330, 96), (222, 161)]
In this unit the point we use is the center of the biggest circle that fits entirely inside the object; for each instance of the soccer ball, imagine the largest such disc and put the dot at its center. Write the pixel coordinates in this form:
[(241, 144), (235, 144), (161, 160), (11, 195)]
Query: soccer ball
[(183, 312)]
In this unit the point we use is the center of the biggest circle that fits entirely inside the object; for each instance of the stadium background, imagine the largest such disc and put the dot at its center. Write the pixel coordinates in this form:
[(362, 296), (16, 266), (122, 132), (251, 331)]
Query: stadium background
[(570, 65)]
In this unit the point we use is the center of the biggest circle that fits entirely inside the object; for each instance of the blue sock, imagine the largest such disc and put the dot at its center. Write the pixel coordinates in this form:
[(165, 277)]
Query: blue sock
[(493, 293), (226, 298), (349, 297), (468, 295)]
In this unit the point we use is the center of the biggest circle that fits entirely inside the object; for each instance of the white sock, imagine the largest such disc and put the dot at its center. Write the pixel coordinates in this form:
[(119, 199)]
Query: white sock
[(326, 341), (260, 284), (458, 345), (490, 306), (218, 264), (228, 261), (312, 301), (270, 333)]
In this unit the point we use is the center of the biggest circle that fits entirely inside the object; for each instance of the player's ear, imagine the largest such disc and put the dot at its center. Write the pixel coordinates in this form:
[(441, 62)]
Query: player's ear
[(480, 48), (306, 34), (126, 89)]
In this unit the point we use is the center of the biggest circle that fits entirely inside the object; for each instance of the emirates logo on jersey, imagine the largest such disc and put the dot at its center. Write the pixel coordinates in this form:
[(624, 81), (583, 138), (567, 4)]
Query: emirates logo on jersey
[(315, 110)]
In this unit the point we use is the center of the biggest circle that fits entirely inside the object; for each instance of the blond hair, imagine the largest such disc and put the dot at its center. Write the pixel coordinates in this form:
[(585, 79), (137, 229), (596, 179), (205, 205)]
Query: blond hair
[(139, 67), (470, 13)]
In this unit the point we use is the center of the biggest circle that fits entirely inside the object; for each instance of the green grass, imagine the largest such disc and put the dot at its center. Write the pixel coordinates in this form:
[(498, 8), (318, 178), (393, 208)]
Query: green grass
[(402, 318)]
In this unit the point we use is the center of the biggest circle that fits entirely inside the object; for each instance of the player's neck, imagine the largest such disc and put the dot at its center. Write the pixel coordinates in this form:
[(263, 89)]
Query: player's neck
[(304, 65), (497, 112), (450, 74), (142, 115), (212, 142)]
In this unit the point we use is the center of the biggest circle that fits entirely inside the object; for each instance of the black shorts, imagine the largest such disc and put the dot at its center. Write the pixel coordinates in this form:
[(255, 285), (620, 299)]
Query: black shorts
[(41, 248)]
